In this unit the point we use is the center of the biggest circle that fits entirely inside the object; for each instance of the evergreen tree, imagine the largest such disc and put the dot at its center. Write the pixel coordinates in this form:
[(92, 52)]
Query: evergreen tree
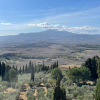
[(20, 70), (26, 69), (57, 63), (23, 68), (35, 67), (16, 69), (0, 68), (32, 72), (59, 93), (3, 70), (30, 67)]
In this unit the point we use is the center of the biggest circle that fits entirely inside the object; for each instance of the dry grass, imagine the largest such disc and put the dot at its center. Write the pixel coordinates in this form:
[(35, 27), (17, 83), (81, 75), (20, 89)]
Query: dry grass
[(67, 66)]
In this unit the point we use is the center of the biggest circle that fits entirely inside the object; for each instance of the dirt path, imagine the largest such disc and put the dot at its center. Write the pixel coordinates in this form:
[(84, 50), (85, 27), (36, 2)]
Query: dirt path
[(23, 92)]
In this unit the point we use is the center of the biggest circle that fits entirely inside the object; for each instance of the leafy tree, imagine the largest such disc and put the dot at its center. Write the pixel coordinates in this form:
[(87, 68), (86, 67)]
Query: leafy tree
[(12, 74), (79, 73), (55, 73)]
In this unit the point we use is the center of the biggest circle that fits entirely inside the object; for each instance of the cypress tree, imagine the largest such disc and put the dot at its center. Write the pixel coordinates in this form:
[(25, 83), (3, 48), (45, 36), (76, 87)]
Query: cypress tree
[(57, 63), (32, 72), (20, 70), (16, 69), (0, 68), (26, 69), (3, 70), (59, 93), (23, 68), (30, 67), (35, 67)]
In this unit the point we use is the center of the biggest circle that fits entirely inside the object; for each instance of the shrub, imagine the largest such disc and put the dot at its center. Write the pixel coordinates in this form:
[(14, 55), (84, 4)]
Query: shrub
[(40, 95), (31, 97), (69, 96), (13, 84), (31, 84), (79, 97), (1, 96), (30, 92), (37, 82), (51, 81), (49, 93), (40, 90), (47, 85)]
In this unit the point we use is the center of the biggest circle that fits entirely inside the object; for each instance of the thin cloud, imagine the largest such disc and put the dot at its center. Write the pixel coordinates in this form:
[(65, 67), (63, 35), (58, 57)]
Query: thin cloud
[(78, 30), (6, 23)]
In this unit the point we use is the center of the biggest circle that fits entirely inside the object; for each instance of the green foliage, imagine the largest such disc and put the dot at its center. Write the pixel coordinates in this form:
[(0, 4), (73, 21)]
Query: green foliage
[(37, 82), (49, 93), (13, 84), (31, 97), (92, 64), (97, 93), (59, 93), (1, 96), (31, 84), (40, 96), (79, 73), (55, 73), (40, 90), (30, 92), (47, 85), (12, 74)]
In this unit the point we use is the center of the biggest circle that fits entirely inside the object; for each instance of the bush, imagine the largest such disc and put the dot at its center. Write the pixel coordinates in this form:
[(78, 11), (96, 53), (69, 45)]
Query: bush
[(47, 85), (40, 95), (40, 90), (18, 86), (31, 84), (13, 84), (37, 82), (49, 93), (30, 92), (31, 97), (79, 97), (69, 96), (51, 81), (1, 96)]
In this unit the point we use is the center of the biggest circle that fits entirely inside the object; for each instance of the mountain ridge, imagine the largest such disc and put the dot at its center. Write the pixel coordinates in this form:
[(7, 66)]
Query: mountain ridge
[(50, 36)]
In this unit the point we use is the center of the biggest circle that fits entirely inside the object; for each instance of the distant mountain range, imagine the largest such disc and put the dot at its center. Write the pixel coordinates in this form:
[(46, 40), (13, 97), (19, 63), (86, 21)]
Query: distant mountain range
[(50, 36)]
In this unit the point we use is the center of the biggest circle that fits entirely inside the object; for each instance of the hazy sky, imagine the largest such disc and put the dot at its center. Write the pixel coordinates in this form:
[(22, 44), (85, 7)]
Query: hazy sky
[(23, 16)]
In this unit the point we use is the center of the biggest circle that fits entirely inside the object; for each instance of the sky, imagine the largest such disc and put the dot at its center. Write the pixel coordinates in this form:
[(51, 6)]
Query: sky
[(25, 16)]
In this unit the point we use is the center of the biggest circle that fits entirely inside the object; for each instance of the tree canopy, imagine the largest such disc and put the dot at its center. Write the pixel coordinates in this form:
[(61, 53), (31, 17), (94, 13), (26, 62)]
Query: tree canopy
[(55, 73), (79, 73)]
